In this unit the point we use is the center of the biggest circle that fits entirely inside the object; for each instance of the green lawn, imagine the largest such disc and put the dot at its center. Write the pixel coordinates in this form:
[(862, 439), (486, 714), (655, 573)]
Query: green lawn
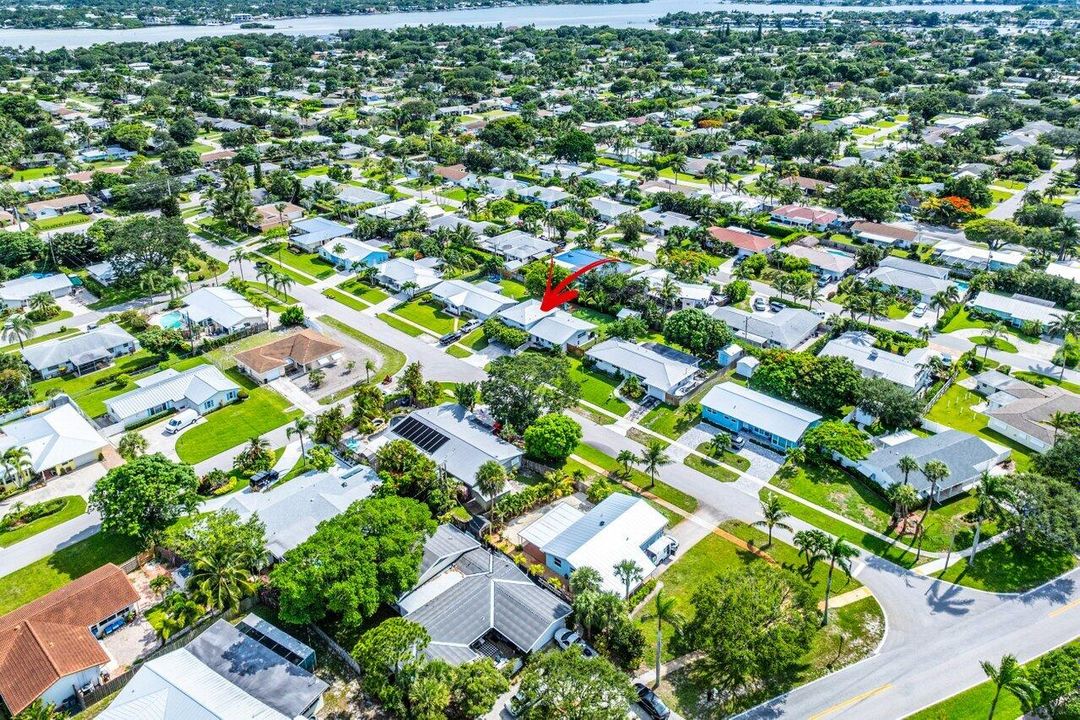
[(513, 289), (49, 573), (427, 314), (954, 410), (1035, 377), (234, 424), (1007, 567), (457, 351), (598, 388), (33, 173), (964, 321), (710, 468), (673, 421), (662, 490), (309, 263), (345, 299), (475, 340), (283, 267), (74, 505), (62, 315), (398, 324), (392, 358), (995, 344), (362, 290)]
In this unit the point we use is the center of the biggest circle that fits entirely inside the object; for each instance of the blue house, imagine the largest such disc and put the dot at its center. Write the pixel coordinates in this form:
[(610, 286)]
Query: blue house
[(760, 417)]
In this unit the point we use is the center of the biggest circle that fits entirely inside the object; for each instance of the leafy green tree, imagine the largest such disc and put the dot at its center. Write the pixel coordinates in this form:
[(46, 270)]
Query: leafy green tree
[(569, 686), (552, 437), (329, 426), (837, 436), (1045, 512), (320, 458), (145, 496), (465, 394), (132, 444), (520, 389), (893, 406), (354, 562), (476, 687), (490, 479), (873, 204), (145, 243), (405, 471), (698, 332), (573, 145), (391, 656)]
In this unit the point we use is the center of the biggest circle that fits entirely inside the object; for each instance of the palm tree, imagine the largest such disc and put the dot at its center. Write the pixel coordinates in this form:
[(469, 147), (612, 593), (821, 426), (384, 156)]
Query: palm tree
[(1060, 421), (1068, 230), (1009, 675), (17, 462), (39, 710), (626, 458), (935, 471), (20, 328), (237, 257), (628, 571), (991, 337), (774, 515), (41, 303), (652, 459), (300, 428), (369, 367), (990, 496), (812, 294), (490, 479), (720, 444), (907, 465), (282, 283), (664, 609), (677, 165), (222, 581), (151, 282), (712, 175), (839, 554), (1064, 325), (903, 497)]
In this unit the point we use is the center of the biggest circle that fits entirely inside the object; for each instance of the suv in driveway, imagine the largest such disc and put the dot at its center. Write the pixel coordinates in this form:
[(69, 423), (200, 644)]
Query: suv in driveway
[(760, 304), (651, 703), (566, 637)]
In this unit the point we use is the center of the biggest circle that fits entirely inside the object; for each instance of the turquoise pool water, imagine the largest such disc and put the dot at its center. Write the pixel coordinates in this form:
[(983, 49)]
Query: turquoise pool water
[(173, 320)]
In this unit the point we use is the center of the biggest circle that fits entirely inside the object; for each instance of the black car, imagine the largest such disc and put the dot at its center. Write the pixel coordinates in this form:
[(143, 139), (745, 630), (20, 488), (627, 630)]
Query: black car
[(449, 338), (651, 703), (264, 479)]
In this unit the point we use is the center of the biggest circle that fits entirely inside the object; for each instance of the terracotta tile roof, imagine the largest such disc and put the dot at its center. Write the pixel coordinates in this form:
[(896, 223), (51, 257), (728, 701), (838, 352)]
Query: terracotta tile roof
[(451, 172), (742, 240), (301, 347), (49, 638)]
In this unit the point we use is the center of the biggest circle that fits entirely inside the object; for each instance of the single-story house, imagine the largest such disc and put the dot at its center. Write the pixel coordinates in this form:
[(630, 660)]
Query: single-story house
[(696, 295), (885, 235), (492, 185), (1026, 419), (51, 644), (1000, 389), (745, 242), (758, 416), (804, 217), (1015, 310), (310, 234), (298, 352), (787, 329), (908, 371), (832, 265), (474, 602), (661, 223), (479, 300), (43, 186), (518, 246), (293, 510), (621, 527), (666, 374), (808, 186), (908, 275), (17, 293), (222, 311), (248, 670), (609, 210), (356, 195), (548, 329), (456, 440), (202, 388), (967, 457), (349, 254), (102, 272), (216, 157), (561, 169), (80, 354), (555, 520), (549, 197), (975, 257), (419, 275), (400, 208), (268, 217), (453, 222), (58, 206), (605, 178), (451, 173), (59, 440)]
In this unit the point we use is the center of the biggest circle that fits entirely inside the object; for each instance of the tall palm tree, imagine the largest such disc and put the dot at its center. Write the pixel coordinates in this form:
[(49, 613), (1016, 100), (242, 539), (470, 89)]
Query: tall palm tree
[(1060, 421), (1009, 675), (990, 496), (935, 471), (773, 514), (151, 282), (677, 165), (907, 465), (20, 328), (652, 459), (1064, 325), (237, 257), (1068, 230), (17, 462), (41, 303), (369, 367), (628, 571), (300, 427), (664, 609), (994, 332), (839, 554), (222, 580)]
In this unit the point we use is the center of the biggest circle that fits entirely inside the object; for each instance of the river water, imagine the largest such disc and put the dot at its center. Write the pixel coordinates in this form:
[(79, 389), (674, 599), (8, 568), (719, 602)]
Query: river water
[(642, 15)]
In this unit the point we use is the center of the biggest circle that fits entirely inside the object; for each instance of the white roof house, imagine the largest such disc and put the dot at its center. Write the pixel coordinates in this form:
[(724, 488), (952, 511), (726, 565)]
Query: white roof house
[(621, 527), (548, 328), (291, 512), (397, 272), (787, 329), (690, 294), (357, 195), (480, 300), (223, 308), (1017, 309), (762, 417), (201, 388), (518, 245), (976, 257), (927, 286), (54, 438), (15, 293), (908, 371), (609, 209), (666, 373)]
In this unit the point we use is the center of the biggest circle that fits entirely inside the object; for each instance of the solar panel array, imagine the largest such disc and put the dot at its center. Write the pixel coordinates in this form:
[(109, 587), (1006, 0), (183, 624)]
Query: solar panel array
[(426, 438), (269, 643)]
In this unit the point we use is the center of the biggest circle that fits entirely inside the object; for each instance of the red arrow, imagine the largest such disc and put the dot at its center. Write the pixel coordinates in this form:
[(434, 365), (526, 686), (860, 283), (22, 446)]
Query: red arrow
[(554, 297)]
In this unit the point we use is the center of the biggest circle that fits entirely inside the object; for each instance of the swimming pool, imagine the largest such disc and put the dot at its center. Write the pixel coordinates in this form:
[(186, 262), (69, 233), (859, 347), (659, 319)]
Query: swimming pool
[(579, 257), (837, 253), (172, 320)]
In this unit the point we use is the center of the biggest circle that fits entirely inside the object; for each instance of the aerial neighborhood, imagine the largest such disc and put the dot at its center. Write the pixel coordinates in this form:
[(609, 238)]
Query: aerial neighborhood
[(723, 365)]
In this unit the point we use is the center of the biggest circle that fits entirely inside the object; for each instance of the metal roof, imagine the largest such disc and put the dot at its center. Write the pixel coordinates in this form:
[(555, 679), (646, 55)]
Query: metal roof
[(655, 369), (197, 385), (760, 410), (97, 343)]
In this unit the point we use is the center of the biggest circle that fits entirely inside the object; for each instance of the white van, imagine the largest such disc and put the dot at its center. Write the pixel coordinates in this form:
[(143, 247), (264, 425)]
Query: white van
[(181, 420)]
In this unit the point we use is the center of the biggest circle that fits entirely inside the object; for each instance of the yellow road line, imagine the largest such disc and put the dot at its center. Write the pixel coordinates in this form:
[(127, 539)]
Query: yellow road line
[(851, 702), (1064, 608)]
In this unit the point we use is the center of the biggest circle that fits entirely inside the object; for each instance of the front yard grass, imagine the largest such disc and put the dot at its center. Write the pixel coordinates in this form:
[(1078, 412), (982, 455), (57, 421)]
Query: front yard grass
[(672, 421), (398, 324), (964, 321), (309, 263), (1036, 378), (345, 299), (232, 425), (52, 572), (362, 290), (1007, 566), (458, 352), (598, 388), (711, 465), (686, 503), (427, 314), (475, 340), (954, 409), (74, 505), (995, 343)]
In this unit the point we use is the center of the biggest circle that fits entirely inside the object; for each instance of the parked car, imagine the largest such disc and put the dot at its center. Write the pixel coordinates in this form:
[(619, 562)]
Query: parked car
[(737, 441), (181, 420), (470, 326), (760, 304), (448, 338), (264, 479), (651, 703), (822, 282), (566, 637), (776, 306), (920, 310)]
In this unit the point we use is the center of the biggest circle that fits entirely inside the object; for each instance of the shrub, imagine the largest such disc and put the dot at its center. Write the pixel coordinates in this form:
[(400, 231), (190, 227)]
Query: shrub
[(292, 316)]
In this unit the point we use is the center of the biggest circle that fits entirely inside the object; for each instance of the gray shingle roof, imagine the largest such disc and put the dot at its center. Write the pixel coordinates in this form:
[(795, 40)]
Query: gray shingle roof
[(92, 345), (787, 328), (965, 455)]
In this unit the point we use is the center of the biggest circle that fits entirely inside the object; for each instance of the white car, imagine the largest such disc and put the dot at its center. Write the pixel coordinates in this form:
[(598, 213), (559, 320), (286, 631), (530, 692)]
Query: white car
[(565, 638), (760, 304), (180, 421), (920, 310)]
